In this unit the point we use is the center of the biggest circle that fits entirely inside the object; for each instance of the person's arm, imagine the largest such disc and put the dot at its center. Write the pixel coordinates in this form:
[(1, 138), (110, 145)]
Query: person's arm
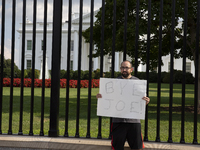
[(146, 99)]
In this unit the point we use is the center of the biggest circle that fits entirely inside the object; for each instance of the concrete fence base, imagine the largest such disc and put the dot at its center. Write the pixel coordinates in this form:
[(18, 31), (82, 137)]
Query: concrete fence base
[(16, 142)]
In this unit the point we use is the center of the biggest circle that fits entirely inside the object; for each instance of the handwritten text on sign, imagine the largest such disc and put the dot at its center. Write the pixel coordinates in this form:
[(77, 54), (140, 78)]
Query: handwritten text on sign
[(122, 98)]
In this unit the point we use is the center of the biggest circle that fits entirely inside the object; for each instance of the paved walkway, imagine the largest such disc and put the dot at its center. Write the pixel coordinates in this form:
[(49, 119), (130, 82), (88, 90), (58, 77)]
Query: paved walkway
[(17, 142)]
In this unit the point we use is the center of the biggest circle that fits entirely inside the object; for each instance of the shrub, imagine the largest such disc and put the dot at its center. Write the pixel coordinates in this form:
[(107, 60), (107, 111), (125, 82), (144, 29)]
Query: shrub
[(6, 72), (50, 72), (107, 75), (17, 73), (25, 73), (178, 75), (7, 68), (97, 74), (189, 78), (163, 74), (75, 75), (142, 75), (117, 74), (166, 78), (153, 76), (6, 82), (37, 74), (71, 72), (85, 75), (28, 73), (62, 74)]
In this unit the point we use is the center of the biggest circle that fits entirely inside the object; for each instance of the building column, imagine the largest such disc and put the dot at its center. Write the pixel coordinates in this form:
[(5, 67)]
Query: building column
[(116, 61), (120, 57), (104, 63), (95, 62), (84, 58), (75, 52)]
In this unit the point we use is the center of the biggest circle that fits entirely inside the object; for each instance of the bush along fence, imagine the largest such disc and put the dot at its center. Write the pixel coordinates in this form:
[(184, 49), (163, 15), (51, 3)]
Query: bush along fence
[(38, 83), (165, 76), (84, 83)]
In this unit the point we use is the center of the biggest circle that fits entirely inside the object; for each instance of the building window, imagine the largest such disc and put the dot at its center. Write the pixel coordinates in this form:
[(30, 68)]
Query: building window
[(29, 45), (28, 62), (71, 65), (188, 66), (42, 45), (72, 45)]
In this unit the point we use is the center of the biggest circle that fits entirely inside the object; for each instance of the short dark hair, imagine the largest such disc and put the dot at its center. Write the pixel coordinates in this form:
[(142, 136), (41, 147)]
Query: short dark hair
[(126, 61)]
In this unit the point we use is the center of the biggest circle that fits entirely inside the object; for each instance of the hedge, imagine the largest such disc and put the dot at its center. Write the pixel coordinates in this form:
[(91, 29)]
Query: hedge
[(153, 76), (165, 77)]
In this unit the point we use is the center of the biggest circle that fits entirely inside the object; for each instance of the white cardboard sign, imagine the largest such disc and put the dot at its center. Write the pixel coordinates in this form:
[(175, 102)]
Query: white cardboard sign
[(122, 98)]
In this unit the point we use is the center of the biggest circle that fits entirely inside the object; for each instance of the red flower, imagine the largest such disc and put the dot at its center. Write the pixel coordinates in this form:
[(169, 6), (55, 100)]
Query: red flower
[(38, 83)]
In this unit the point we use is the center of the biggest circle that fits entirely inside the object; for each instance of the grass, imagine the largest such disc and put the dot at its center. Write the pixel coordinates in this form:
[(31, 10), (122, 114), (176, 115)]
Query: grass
[(152, 113)]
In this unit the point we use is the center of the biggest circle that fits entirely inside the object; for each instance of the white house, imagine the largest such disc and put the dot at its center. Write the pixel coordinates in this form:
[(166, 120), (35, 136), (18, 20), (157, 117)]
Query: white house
[(74, 48)]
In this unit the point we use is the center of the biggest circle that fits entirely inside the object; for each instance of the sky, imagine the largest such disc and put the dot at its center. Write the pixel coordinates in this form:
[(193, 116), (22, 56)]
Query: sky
[(40, 17)]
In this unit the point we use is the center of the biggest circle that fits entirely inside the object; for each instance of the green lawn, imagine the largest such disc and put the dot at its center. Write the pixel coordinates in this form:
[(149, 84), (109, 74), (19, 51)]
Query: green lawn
[(152, 123)]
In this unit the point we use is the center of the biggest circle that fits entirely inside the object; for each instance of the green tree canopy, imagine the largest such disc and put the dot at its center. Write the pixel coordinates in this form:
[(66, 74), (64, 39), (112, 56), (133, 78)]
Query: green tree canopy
[(7, 68), (143, 24)]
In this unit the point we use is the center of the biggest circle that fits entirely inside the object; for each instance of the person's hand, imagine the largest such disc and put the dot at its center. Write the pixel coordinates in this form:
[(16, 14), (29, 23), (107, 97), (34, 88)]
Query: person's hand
[(146, 99), (98, 96)]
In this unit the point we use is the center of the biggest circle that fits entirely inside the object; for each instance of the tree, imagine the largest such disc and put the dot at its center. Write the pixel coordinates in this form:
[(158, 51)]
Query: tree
[(7, 68), (143, 22)]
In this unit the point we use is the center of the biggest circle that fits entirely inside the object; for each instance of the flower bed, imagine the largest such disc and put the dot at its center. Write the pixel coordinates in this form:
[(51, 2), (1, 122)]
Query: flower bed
[(38, 83)]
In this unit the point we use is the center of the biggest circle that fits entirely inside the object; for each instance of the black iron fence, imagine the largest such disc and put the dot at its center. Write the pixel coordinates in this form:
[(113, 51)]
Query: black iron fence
[(150, 13)]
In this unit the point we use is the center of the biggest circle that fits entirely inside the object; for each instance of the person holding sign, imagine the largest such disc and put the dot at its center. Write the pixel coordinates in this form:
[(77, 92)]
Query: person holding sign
[(123, 128)]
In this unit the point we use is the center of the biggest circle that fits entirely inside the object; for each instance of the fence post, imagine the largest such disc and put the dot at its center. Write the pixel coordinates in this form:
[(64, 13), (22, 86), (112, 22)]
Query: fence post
[(55, 76), (2, 59)]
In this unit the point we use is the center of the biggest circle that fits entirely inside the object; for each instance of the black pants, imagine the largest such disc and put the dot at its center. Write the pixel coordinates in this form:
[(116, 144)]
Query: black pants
[(126, 131)]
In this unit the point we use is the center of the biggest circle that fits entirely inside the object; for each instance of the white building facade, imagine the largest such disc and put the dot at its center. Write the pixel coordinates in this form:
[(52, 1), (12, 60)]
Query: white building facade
[(74, 49), (74, 46)]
